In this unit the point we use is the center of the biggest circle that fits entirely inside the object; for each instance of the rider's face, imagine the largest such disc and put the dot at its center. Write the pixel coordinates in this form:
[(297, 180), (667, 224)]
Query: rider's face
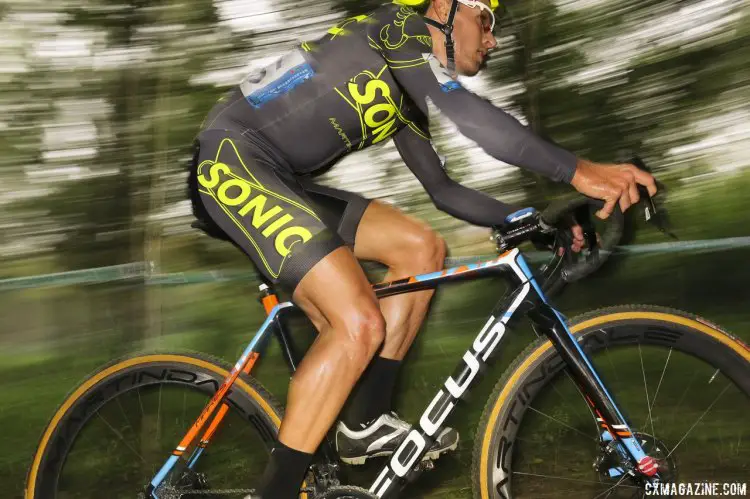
[(473, 38)]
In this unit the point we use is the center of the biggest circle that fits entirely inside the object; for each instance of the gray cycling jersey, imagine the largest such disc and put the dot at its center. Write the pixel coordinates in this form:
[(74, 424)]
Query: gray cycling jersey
[(368, 80)]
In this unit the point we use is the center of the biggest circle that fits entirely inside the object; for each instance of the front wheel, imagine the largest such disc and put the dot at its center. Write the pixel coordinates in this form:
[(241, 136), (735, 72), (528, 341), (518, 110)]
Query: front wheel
[(113, 433), (682, 383)]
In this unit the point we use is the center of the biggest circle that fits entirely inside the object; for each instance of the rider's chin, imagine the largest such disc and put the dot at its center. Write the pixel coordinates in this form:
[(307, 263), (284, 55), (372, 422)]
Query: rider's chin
[(476, 67)]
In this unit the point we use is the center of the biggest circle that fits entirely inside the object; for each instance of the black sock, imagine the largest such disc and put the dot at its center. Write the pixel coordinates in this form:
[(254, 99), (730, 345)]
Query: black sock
[(373, 394), (284, 473)]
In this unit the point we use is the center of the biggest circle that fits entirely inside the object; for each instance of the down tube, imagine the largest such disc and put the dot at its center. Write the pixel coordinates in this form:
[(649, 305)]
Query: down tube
[(403, 461)]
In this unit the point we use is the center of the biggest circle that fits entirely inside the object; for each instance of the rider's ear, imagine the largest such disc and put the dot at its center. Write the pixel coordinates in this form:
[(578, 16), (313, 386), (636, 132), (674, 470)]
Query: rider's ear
[(442, 7)]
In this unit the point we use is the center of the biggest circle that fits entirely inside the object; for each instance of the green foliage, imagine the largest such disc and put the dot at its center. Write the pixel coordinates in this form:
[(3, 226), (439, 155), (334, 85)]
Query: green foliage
[(144, 87)]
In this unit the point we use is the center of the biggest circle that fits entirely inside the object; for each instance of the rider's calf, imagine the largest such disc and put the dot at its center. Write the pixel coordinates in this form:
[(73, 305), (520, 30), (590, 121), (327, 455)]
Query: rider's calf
[(419, 251)]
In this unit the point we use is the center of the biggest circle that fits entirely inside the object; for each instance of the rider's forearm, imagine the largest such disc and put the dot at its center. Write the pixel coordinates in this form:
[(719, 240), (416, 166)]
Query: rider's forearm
[(449, 196), (469, 205), (505, 138)]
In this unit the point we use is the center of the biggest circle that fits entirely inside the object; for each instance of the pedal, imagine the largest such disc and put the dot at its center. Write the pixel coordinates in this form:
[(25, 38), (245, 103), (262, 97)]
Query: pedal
[(426, 465), (421, 467)]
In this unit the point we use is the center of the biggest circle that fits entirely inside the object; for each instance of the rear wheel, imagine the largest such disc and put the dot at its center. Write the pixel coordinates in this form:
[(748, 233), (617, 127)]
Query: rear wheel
[(682, 383), (113, 433)]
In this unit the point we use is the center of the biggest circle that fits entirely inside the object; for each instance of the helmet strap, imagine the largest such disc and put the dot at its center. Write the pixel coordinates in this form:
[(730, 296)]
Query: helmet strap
[(447, 29)]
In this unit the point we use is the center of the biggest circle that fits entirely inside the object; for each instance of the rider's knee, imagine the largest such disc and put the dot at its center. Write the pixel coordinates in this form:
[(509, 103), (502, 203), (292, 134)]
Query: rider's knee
[(428, 250), (364, 329)]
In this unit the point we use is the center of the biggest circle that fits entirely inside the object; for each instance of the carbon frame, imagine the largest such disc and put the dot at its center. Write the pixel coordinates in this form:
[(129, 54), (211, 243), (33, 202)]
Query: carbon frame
[(403, 463)]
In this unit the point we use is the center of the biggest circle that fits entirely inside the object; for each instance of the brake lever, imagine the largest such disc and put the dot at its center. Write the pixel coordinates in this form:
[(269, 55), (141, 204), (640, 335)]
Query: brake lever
[(652, 215), (582, 215)]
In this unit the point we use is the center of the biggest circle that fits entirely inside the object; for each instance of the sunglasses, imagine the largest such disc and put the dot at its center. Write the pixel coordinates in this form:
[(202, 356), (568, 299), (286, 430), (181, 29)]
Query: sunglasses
[(487, 17)]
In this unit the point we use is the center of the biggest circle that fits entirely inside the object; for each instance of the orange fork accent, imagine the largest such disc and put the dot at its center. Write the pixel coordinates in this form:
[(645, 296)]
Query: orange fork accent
[(208, 411), (269, 302), (214, 425), (224, 407)]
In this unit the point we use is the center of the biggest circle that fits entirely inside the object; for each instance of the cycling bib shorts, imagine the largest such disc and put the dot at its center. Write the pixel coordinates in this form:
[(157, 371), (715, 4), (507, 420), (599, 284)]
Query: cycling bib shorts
[(283, 222)]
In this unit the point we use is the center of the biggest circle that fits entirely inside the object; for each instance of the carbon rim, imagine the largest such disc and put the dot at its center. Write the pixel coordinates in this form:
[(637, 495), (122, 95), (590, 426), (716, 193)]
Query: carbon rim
[(108, 411), (658, 347)]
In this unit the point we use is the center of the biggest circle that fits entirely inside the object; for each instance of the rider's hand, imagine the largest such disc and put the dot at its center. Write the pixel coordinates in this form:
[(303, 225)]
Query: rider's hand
[(612, 184), (577, 244), (574, 240)]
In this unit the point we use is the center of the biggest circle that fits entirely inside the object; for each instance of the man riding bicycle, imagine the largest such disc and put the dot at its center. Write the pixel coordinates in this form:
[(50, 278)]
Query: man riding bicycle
[(252, 182)]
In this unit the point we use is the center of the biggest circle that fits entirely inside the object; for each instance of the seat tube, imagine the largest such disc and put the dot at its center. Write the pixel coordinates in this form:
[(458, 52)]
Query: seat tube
[(270, 300)]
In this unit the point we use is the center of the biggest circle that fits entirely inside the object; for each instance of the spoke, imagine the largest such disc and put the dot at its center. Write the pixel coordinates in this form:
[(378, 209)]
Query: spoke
[(184, 399), (566, 370), (617, 484), (614, 369), (119, 435), (682, 397), (124, 414), (699, 420), (140, 402), (158, 416), (653, 402), (580, 480), (739, 443), (720, 446), (565, 401), (645, 388), (563, 424), (583, 397)]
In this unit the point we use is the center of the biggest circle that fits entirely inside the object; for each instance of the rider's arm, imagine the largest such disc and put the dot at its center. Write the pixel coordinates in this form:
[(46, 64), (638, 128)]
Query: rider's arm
[(449, 196), (501, 135), (407, 48)]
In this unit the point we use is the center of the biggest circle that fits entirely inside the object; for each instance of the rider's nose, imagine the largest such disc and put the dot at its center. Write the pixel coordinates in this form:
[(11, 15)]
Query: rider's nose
[(491, 41)]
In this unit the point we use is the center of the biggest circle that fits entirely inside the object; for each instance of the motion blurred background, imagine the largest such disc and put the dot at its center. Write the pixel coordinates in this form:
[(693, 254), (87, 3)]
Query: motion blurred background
[(100, 100)]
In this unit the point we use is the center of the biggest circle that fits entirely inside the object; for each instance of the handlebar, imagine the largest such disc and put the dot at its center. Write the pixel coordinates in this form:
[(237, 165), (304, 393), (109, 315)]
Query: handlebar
[(600, 251), (548, 230)]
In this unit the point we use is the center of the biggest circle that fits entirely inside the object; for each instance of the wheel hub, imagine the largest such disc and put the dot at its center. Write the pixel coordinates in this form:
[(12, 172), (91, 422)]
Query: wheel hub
[(612, 463)]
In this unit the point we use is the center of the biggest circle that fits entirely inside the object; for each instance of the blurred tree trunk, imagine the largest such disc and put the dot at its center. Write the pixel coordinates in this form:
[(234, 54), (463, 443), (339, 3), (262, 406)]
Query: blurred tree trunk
[(530, 102)]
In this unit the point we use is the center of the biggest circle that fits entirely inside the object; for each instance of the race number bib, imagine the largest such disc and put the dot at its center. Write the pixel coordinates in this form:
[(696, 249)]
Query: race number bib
[(447, 83), (279, 78)]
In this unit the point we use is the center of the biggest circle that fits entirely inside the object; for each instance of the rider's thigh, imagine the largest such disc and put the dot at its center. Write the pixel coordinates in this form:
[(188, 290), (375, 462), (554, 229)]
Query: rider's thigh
[(336, 295), (387, 235)]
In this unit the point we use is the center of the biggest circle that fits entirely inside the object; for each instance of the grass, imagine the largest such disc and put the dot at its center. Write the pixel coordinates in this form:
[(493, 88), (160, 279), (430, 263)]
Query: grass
[(39, 368)]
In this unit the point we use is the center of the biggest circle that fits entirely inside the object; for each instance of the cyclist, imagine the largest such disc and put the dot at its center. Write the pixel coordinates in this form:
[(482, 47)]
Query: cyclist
[(367, 80)]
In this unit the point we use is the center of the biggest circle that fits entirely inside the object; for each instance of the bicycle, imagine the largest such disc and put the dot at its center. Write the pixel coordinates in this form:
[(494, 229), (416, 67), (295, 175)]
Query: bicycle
[(613, 459)]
